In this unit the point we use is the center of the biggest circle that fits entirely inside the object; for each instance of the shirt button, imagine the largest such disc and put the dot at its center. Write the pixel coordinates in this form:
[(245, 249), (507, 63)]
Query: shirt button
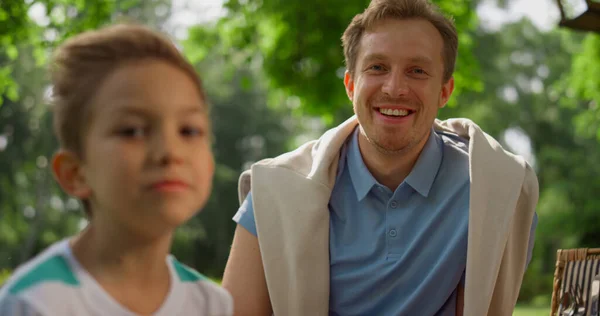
[(393, 233), (394, 204)]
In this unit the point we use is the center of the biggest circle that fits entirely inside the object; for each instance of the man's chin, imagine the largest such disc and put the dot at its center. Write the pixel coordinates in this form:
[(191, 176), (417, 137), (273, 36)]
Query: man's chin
[(390, 148), (388, 143)]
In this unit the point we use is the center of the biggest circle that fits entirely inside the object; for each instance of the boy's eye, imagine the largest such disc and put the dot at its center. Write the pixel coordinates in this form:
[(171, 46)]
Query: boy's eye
[(192, 131), (132, 132)]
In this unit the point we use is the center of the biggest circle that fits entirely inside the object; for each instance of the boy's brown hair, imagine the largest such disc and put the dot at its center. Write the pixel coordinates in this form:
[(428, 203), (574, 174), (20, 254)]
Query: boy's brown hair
[(401, 9), (81, 65)]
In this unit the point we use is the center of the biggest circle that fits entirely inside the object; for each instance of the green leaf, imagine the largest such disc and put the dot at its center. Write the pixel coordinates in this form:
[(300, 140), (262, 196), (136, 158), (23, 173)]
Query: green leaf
[(12, 93), (12, 52), (246, 83)]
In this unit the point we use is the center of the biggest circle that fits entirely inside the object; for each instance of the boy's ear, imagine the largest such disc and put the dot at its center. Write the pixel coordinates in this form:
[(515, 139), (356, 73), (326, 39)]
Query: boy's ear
[(68, 172)]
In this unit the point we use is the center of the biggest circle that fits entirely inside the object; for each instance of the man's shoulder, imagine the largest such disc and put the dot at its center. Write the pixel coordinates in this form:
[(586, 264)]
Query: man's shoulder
[(454, 169), (459, 133), (454, 141), (300, 154), (487, 156), (325, 149)]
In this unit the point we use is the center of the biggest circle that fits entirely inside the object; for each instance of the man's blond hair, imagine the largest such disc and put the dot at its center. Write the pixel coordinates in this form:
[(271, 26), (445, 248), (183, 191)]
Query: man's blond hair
[(379, 10)]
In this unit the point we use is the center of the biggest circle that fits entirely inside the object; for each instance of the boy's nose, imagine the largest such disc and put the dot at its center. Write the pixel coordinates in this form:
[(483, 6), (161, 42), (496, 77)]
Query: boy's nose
[(166, 149)]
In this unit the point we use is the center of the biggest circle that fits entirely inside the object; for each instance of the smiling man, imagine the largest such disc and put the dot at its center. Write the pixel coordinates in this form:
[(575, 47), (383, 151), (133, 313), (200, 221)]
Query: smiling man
[(393, 212)]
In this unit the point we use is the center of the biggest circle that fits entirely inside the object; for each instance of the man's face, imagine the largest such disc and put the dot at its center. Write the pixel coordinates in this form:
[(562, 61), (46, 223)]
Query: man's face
[(397, 86)]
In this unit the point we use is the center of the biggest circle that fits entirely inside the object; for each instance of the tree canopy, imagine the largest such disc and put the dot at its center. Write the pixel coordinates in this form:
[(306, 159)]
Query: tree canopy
[(273, 73)]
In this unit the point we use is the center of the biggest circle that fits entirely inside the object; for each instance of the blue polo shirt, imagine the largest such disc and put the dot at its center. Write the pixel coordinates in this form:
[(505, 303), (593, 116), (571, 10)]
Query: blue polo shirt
[(401, 252)]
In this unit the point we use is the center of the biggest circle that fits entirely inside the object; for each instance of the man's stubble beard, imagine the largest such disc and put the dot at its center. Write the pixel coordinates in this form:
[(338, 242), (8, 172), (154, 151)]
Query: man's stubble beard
[(410, 142), (387, 151)]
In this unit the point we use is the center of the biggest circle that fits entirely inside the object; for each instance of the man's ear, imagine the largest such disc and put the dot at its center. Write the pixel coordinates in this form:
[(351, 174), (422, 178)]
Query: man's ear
[(68, 172), (447, 89), (349, 84)]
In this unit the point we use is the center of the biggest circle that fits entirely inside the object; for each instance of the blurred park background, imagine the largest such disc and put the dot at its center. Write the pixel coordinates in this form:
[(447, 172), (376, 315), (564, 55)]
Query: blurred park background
[(273, 72)]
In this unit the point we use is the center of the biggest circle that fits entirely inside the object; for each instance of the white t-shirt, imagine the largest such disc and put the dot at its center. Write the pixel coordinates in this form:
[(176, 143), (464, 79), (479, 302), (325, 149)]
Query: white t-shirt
[(55, 284)]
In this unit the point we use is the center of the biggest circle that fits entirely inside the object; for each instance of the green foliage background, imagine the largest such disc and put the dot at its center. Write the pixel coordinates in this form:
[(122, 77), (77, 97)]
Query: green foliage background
[(272, 69)]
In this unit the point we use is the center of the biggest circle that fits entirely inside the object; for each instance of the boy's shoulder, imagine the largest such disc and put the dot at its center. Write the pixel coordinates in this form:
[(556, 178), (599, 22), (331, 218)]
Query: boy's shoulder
[(46, 275), (50, 266), (205, 294)]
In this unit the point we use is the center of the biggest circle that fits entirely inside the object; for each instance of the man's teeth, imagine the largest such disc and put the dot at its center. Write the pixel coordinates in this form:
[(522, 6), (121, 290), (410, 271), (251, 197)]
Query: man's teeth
[(394, 112)]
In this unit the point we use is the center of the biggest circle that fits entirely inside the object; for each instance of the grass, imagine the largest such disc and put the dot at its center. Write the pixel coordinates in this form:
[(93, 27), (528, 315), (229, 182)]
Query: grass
[(531, 311)]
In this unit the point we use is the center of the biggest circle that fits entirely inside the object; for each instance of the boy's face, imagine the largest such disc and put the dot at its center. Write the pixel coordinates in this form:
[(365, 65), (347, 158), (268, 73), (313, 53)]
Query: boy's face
[(148, 163)]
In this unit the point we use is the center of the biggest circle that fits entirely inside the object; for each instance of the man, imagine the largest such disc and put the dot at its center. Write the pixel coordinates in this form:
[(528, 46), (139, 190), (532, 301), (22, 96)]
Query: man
[(393, 212)]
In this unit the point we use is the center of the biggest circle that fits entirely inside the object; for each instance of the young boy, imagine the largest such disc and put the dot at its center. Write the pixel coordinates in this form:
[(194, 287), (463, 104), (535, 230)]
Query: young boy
[(132, 120)]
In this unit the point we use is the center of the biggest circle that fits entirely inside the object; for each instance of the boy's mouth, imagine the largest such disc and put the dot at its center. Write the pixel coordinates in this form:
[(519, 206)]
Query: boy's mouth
[(170, 186)]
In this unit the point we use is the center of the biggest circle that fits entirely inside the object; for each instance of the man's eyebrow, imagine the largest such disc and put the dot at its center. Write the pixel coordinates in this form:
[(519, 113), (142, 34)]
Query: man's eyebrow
[(415, 59), (374, 56), (421, 60)]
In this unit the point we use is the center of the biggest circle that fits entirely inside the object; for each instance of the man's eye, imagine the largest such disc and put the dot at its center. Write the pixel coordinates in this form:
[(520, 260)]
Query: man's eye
[(376, 67), (419, 71)]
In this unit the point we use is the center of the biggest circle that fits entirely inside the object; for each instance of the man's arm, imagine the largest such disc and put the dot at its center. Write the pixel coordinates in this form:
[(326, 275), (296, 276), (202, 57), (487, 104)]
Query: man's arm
[(244, 276), (460, 299), (531, 241)]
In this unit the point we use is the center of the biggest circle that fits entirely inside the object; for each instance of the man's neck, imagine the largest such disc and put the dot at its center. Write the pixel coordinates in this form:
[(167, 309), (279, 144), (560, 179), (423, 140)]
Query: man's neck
[(389, 169)]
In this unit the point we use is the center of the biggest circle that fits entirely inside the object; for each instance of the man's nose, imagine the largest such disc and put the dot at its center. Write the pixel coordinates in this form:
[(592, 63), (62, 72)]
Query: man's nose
[(396, 84)]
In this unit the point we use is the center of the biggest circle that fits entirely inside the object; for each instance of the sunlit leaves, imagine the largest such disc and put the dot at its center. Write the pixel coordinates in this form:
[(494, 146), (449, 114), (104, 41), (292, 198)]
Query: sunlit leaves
[(585, 80), (300, 48)]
